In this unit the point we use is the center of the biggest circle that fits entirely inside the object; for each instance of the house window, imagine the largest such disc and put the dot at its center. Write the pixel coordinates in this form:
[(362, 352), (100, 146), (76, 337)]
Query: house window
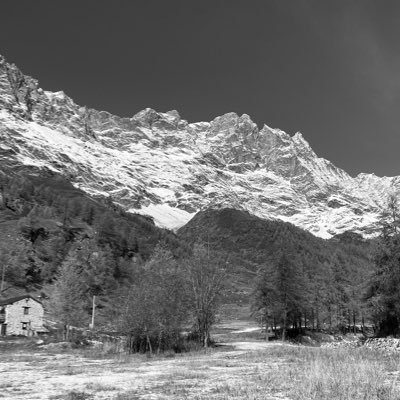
[(24, 326), (26, 310)]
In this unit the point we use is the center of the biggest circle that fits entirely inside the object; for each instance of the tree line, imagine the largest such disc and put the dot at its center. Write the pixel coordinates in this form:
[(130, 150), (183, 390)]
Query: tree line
[(162, 298), (146, 284), (151, 284), (295, 291)]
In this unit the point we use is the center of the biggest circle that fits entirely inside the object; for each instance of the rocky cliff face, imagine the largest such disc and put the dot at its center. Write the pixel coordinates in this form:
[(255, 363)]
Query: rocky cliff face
[(161, 165)]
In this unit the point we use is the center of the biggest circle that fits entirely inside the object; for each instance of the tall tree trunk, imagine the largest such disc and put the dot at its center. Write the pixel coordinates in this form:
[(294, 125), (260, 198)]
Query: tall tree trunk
[(149, 344), (93, 312), (206, 337), (305, 319), (313, 319), (284, 327), (3, 274), (318, 321), (159, 339), (349, 320), (68, 333)]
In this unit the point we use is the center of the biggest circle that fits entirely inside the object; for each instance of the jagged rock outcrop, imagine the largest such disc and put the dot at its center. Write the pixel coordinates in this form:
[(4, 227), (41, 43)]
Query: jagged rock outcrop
[(159, 164)]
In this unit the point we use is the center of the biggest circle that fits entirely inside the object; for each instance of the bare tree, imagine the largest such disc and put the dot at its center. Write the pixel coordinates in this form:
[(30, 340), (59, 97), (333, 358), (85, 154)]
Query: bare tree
[(205, 274), (389, 218), (153, 310)]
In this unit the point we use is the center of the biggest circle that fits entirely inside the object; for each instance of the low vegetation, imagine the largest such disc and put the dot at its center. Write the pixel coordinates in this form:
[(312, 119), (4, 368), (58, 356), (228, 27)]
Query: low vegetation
[(270, 372)]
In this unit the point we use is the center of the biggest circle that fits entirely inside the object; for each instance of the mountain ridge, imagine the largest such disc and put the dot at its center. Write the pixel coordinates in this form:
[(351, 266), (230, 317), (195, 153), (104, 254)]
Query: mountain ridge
[(163, 166)]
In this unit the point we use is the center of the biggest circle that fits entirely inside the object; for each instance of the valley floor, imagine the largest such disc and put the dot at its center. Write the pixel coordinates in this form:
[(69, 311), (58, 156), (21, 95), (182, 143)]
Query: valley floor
[(240, 369)]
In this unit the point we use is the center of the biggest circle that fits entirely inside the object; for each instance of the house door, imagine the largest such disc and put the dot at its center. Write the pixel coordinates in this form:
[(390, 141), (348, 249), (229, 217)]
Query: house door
[(3, 329)]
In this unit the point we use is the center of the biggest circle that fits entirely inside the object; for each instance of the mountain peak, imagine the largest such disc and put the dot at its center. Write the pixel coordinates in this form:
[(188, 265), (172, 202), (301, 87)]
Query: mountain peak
[(157, 164), (174, 114), (299, 138), (146, 116)]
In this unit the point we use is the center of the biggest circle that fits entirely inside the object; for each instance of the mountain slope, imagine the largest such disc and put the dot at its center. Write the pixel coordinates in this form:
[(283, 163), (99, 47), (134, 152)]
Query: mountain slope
[(160, 165), (44, 220), (339, 266)]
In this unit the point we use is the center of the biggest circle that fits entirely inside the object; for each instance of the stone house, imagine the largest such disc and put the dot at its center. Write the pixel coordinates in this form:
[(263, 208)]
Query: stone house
[(22, 315)]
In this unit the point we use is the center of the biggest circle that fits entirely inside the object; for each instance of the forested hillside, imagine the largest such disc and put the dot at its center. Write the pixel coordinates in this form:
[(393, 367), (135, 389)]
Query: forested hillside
[(145, 282), (276, 266), (272, 270), (44, 220)]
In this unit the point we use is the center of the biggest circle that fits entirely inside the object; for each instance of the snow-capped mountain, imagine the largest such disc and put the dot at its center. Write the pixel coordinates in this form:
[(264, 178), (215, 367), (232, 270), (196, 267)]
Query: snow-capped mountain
[(160, 165)]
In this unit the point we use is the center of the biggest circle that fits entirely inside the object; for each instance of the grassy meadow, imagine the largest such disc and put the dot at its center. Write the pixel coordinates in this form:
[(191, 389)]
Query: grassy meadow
[(241, 370)]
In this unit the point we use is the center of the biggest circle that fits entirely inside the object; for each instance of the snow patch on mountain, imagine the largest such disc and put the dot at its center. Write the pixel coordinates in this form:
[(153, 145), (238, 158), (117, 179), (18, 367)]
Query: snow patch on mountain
[(166, 216), (160, 165)]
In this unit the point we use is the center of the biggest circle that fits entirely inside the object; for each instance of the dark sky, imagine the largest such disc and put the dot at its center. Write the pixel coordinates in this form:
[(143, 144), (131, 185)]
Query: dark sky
[(327, 68)]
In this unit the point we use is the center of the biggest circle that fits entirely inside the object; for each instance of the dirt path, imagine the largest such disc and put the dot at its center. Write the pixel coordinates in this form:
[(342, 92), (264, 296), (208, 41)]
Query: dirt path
[(254, 346)]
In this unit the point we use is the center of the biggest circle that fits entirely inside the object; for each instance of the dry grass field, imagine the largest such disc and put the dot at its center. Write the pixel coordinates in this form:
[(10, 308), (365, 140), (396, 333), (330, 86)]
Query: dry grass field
[(242, 369)]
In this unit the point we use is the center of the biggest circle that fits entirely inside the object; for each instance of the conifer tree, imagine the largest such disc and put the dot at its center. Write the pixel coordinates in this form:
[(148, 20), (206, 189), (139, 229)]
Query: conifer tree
[(68, 300), (281, 291), (383, 293)]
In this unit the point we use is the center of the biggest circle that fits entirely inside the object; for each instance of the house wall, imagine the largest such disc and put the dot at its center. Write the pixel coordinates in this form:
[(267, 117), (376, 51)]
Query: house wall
[(15, 317)]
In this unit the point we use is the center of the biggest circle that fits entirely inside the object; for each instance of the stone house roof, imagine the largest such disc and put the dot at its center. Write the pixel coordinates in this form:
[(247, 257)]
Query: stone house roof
[(11, 300)]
